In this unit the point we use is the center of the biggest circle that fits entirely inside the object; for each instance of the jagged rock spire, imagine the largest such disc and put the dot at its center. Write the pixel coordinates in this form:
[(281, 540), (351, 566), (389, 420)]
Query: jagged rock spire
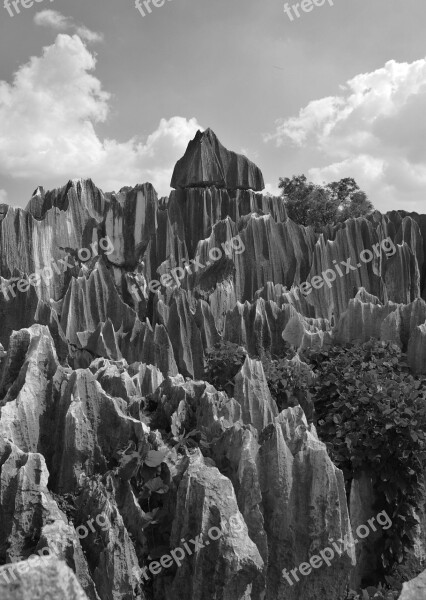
[(206, 163)]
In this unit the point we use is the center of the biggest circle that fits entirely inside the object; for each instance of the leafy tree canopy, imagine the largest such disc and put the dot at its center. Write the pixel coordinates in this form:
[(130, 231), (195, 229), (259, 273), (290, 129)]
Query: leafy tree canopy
[(319, 205)]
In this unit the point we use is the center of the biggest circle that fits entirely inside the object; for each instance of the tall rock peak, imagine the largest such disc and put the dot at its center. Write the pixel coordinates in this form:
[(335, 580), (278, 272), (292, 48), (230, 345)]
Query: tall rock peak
[(207, 162)]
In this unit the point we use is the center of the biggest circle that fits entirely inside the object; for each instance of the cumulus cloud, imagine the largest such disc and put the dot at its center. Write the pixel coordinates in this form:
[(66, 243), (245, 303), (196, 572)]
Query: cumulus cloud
[(374, 131), (52, 18), (49, 113), (90, 36), (272, 189), (55, 20)]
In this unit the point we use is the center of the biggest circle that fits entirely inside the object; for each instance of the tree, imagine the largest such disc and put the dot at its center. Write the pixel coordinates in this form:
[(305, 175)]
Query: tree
[(297, 191), (319, 205), (323, 208), (358, 206), (343, 190)]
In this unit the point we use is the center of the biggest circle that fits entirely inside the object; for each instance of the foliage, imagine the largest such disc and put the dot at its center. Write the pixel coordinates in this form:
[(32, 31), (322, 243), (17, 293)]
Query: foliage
[(372, 416), (379, 593), (224, 361), (352, 201), (358, 206), (297, 189), (283, 381), (152, 486), (187, 440), (142, 468), (289, 381), (319, 205), (132, 461), (322, 208), (342, 191), (154, 458)]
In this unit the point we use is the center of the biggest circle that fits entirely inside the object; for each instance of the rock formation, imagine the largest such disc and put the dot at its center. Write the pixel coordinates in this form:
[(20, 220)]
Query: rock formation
[(207, 163), (48, 579), (414, 589), (114, 451)]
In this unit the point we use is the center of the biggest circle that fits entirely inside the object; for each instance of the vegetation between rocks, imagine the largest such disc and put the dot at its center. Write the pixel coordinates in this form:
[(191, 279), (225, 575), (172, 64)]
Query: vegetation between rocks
[(371, 413), (224, 361), (370, 410)]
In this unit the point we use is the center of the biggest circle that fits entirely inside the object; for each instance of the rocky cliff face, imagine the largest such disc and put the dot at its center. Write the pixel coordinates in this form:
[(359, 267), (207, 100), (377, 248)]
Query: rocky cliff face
[(208, 163), (116, 458)]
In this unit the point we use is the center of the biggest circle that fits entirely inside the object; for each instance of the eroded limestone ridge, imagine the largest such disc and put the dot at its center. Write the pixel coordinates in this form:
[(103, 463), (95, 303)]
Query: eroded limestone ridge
[(96, 380), (207, 163)]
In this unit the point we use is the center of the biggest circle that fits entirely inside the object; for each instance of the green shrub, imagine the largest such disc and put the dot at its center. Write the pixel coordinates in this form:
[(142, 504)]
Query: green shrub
[(224, 361), (372, 416), (280, 379), (379, 593), (287, 386)]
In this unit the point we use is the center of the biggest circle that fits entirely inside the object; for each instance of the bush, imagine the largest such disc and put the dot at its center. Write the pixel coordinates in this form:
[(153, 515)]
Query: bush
[(287, 386), (224, 361), (379, 593), (372, 416)]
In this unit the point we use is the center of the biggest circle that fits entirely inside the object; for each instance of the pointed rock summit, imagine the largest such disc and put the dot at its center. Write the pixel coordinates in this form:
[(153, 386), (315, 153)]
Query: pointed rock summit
[(206, 163)]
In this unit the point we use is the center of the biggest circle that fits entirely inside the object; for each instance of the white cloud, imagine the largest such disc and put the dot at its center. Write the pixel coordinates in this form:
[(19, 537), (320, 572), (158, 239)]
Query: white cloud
[(54, 19), (48, 115), (3, 196), (374, 131), (89, 35), (272, 189)]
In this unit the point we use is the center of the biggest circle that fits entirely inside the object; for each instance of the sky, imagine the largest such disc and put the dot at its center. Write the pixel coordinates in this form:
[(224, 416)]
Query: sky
[(95, 89)]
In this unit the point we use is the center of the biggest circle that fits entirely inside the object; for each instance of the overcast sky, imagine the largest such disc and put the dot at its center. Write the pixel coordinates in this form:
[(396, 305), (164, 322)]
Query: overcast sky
[(93, 89)]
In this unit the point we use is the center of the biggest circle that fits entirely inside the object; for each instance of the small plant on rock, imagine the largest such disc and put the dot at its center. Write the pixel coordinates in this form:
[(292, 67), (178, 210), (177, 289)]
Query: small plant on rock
[(287, 385), (224, 361)]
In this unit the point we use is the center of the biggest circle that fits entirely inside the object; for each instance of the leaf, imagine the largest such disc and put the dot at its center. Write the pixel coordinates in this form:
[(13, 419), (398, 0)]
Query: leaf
[(155, 457), (157, 485), (150, 518), (192, 433), (127, 458)]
